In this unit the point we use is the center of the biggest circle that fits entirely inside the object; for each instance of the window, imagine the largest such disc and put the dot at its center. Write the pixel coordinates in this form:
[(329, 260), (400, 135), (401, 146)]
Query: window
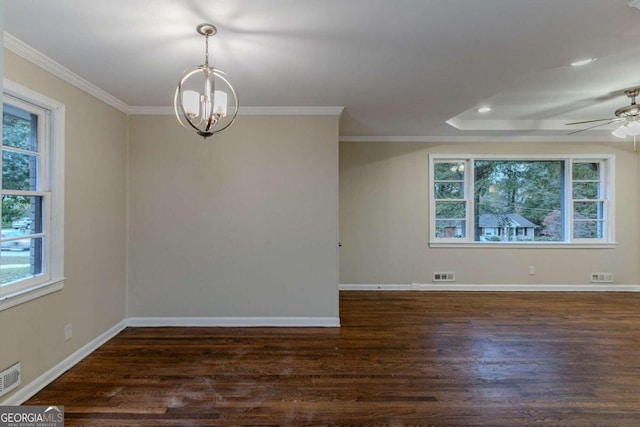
[(31, 187), (518, 201)]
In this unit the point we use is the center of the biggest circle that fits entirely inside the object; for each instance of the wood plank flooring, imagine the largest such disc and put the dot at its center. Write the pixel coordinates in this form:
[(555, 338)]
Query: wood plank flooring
[(400, 359)]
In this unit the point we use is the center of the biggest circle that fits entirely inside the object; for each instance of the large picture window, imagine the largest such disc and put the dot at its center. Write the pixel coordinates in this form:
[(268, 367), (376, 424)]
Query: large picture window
[(31, 192), (518, 201)]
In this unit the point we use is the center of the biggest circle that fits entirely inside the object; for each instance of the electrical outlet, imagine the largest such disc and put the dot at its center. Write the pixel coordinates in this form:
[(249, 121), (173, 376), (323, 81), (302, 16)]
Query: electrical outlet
[(68, 332), (532, 270)]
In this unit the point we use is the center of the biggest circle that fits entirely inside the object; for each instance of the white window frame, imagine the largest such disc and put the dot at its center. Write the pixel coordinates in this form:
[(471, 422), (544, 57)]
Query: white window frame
[(51, 150), (607, 162)]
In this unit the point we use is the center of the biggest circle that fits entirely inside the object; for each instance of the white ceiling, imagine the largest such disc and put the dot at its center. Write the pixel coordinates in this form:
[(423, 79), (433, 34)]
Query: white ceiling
[(401, 68)]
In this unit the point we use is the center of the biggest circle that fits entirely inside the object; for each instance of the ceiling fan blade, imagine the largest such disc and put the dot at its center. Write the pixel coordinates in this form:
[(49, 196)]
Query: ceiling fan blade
[(589, 121), (594, 126)]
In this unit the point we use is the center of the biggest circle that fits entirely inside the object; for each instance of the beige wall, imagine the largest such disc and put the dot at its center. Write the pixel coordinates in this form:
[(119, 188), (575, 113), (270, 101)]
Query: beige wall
[(384, 221), (243, 224), (93, 298)]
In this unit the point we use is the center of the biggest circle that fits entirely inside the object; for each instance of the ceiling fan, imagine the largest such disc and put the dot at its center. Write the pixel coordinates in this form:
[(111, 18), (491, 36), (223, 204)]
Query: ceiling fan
[(629, 116)]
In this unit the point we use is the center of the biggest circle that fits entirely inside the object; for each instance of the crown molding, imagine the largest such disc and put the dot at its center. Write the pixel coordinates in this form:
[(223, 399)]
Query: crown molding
[(291, 111), (151, 111), (251, 111), (37, 58), (478, 138)]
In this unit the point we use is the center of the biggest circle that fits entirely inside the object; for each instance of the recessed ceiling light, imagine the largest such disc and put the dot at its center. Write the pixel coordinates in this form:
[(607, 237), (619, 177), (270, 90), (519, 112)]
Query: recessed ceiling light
[(484, 109), (582, 62)]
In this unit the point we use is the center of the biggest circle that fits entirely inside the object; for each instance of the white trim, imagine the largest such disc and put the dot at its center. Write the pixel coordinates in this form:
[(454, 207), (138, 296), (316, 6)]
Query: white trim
[(291, 111), (249, 111), (518, 125), (41, 60), (380, 287), (46, 378), (56, 186), (480, 138), (451, 243), (493, 288), (31, 293), (151, 111), (235, 322)]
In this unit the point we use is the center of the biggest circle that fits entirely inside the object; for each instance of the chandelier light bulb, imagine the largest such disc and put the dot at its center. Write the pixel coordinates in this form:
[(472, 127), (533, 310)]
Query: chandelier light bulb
[(220, 103), (191, 103)]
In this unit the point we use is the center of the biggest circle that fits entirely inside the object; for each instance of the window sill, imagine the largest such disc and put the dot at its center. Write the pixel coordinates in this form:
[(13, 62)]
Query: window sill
[(20, 297), (518, 245)]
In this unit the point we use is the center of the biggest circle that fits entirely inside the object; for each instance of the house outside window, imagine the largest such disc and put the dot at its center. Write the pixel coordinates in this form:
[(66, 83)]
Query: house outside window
[(32, 186), (542, 201), (506, 227)]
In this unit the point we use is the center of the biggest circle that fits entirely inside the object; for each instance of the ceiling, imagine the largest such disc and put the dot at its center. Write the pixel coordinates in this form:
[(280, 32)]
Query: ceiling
[(404, 69)]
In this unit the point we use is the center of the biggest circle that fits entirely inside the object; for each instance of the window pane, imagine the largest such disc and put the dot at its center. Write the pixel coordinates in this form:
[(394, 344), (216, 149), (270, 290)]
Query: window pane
[(586, 171), (450, 229), (449, 171), (518, 200), (32, 209), (586, 190), (19, 128), (588, 210), (588, 229), (23, 213), (20, 259), (19, 171), (451, 210), (449, 190)]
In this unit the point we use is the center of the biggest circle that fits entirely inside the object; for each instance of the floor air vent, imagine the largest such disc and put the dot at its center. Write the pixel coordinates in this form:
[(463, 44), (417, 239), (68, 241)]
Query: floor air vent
[(601, 277), (444, 277), (9, 379)]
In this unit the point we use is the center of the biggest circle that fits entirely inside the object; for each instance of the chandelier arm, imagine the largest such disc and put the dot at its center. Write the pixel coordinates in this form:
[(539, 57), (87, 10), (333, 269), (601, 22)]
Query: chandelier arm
[(209, 122), (222, 76)]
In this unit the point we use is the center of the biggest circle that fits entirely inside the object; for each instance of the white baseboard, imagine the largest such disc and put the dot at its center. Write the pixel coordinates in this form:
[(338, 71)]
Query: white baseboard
[(236, 322), (380, 287), (493, 288), (46, 378)]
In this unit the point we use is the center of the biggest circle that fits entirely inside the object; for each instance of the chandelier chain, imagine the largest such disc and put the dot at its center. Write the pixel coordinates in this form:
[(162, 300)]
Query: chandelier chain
[(206, 50)]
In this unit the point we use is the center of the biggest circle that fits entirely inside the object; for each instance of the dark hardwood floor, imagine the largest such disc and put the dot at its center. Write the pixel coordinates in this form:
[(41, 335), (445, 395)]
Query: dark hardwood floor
[(400, 359)]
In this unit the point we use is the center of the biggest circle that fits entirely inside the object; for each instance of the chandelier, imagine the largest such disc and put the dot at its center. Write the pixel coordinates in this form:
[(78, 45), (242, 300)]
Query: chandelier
[(205, 100)]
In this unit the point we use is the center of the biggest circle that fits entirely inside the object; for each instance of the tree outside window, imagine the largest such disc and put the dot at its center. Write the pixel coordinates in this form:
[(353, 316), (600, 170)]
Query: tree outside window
[(514, 200)]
